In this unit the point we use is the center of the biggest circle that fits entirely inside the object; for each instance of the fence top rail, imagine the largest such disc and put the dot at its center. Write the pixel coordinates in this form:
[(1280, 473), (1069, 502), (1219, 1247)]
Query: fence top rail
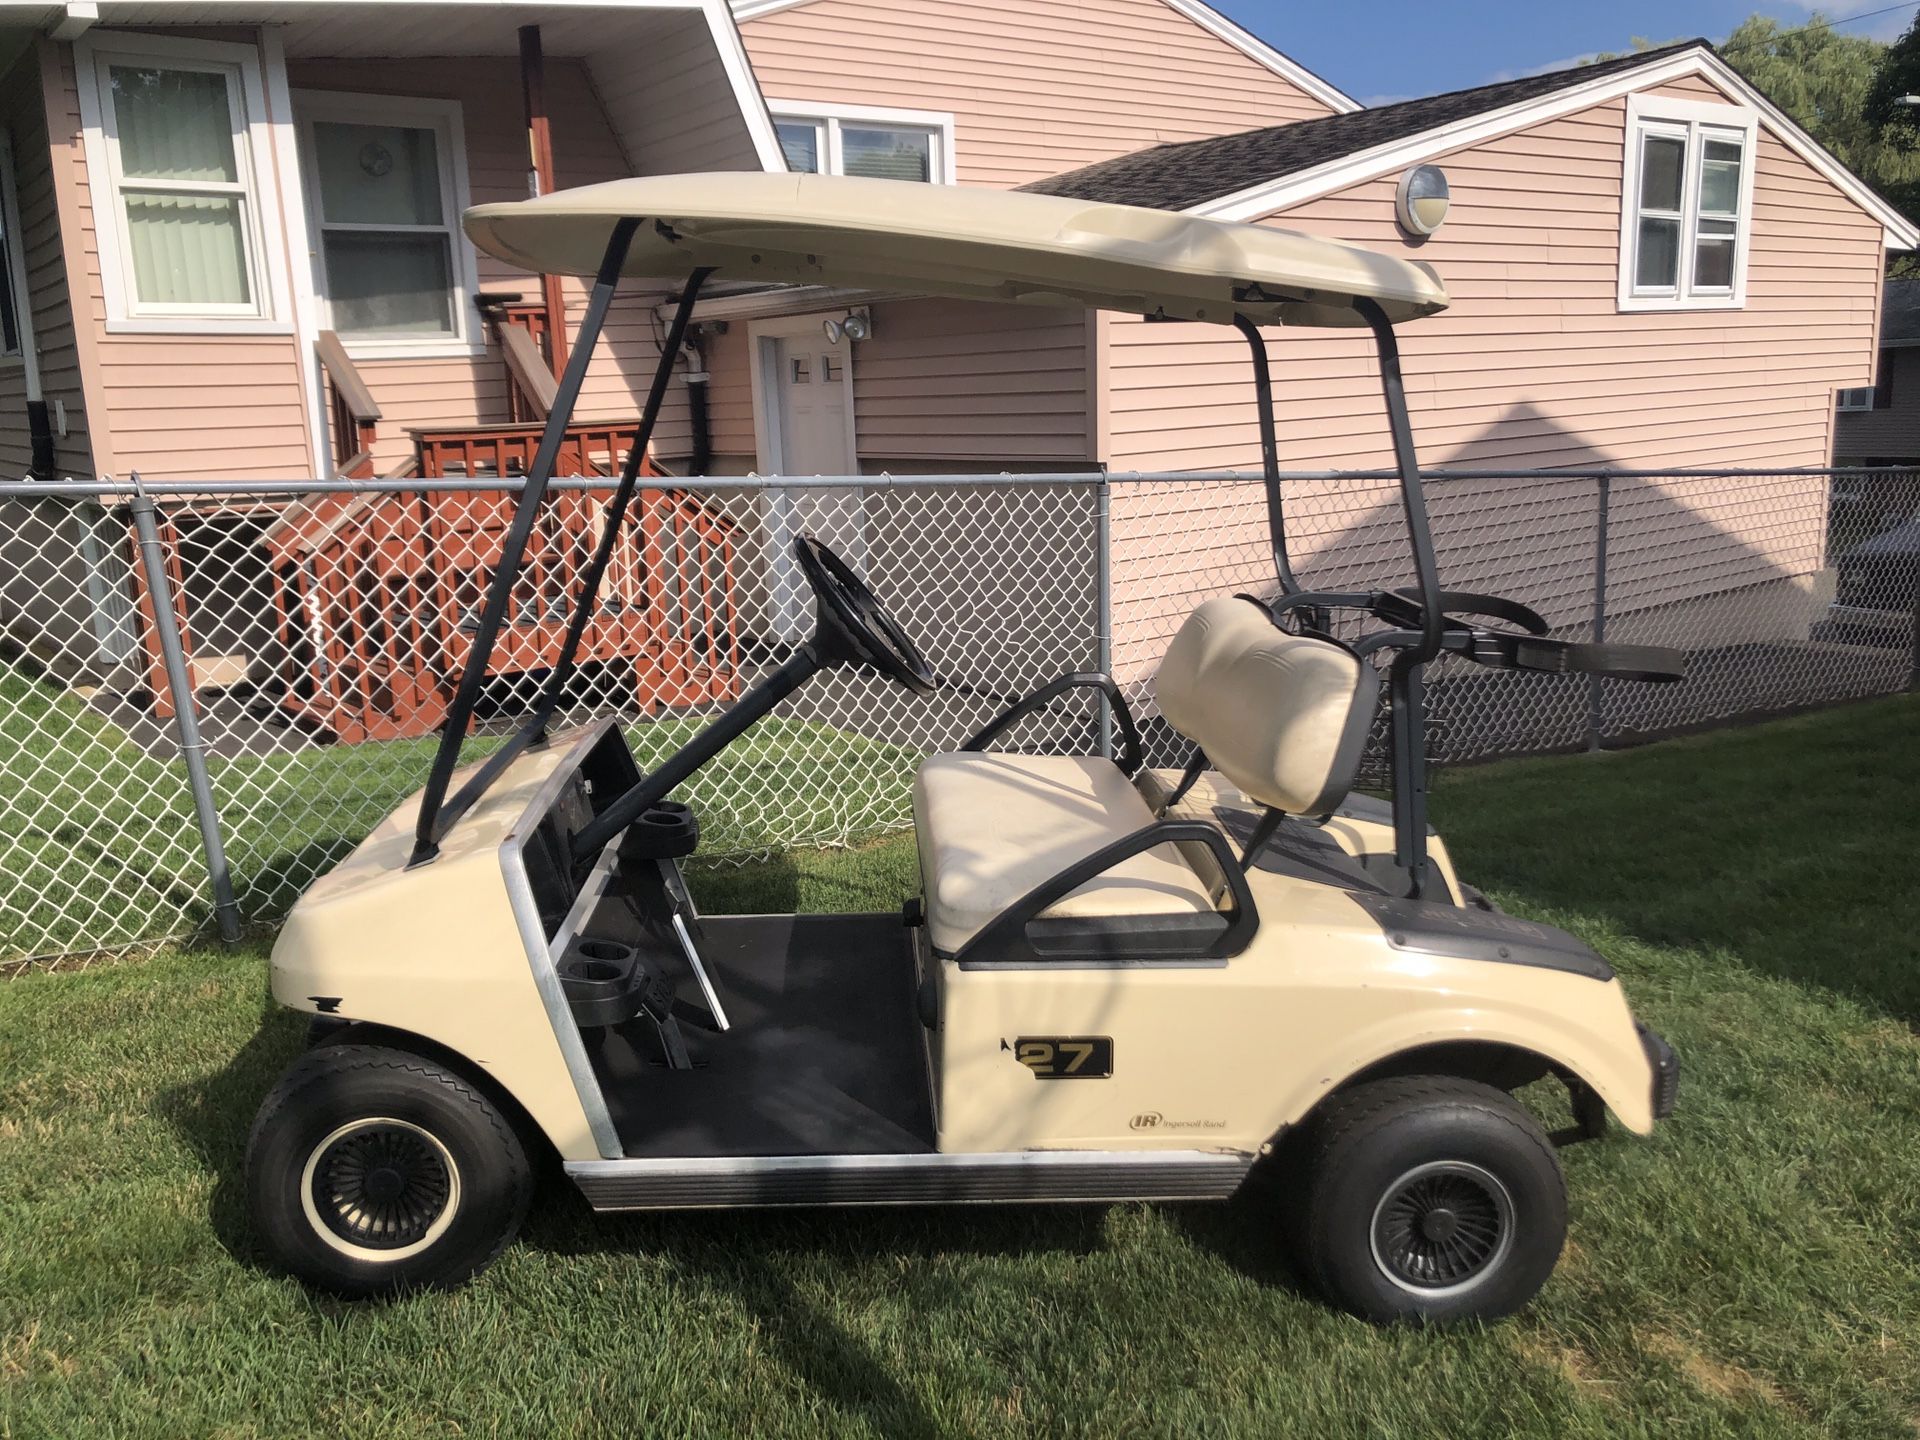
[(110, 489)]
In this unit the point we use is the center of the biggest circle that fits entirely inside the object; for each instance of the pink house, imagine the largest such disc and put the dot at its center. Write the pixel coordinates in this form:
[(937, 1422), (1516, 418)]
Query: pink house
[(231, 246)]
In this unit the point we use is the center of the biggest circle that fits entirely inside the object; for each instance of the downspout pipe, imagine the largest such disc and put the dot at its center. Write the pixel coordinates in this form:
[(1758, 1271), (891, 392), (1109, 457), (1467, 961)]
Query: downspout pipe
[(700, 455)]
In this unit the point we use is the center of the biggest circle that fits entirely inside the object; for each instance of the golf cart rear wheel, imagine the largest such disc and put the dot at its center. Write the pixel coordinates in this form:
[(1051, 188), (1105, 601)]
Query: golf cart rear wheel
[(1430, 1198), (370, 1171)]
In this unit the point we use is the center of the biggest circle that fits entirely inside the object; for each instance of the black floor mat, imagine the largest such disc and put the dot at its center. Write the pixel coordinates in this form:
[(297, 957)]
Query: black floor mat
[(826, 1053)]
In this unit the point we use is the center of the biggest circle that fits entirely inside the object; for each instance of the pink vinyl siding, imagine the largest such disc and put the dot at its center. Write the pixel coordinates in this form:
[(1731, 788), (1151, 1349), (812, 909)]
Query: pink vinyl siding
[(942, 382), (463, 391), (974, 385), (1535, 366), (1036, 87)]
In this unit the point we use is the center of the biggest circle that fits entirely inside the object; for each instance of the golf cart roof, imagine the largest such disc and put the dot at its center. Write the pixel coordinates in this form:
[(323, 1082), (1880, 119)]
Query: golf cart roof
[(973, 244)]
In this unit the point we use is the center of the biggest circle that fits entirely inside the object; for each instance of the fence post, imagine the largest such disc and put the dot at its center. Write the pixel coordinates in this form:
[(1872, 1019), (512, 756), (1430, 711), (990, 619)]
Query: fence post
[(1103, 600), (185, 716), (1603, 505)]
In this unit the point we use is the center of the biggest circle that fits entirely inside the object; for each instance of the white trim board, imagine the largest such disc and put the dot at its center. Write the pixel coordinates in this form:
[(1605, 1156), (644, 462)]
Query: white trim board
[(1203, 15), (301, 253), (732, 50), (1258, 201)]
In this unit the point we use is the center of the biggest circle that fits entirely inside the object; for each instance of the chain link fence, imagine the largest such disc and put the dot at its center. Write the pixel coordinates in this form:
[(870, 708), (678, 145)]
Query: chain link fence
[(323, 627)]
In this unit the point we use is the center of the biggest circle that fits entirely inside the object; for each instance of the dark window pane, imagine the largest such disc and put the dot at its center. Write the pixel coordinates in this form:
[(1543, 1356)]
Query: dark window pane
[(1663, 160), (390, 284), (800, 143), (1713, 264), (377, 174), (887, 154), (1658, 264)]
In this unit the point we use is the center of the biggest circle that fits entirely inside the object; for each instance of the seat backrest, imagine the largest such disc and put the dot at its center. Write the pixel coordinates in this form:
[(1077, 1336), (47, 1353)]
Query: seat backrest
[(1284, 717)]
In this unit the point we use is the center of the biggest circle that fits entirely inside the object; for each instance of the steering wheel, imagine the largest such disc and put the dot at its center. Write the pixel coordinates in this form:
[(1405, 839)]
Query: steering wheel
[(854, 626)]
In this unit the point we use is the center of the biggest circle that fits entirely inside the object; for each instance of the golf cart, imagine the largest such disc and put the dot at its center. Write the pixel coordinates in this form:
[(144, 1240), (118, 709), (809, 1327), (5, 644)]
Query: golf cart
[(1118, 982)]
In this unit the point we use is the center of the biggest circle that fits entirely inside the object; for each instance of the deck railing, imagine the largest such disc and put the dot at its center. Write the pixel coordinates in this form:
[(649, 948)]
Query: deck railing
[(355, 414)]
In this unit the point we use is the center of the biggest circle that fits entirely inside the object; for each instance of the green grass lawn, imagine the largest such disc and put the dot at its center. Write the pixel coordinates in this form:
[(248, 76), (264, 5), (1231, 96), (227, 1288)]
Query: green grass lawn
[(1752, 1270), (99, 850)]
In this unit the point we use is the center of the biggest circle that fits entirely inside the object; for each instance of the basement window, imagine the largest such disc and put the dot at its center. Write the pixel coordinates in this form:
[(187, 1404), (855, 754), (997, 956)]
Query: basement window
[(1686, 206)]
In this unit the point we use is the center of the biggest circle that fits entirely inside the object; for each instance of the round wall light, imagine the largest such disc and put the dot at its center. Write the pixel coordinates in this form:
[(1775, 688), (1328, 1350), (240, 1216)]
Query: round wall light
[(1423, 199)]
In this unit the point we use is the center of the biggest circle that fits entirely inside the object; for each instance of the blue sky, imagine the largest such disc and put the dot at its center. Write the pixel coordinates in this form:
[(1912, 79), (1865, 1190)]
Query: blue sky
[(1382, 50)]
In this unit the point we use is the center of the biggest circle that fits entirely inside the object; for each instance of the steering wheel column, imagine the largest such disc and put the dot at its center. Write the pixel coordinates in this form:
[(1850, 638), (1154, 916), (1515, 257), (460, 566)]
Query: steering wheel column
[(851, 627)]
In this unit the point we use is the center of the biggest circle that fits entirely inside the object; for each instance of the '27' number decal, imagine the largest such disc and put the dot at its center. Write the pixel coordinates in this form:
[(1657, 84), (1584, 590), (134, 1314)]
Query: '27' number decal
[(1066, 1057)]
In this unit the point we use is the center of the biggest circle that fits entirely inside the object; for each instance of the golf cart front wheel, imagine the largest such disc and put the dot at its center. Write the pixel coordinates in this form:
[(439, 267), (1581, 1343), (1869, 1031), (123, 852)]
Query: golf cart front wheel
[(1430, 1198), (371, 1171)]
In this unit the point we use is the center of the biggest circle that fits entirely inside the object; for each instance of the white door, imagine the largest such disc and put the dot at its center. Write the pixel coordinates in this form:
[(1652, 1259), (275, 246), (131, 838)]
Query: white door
[(804, 403)]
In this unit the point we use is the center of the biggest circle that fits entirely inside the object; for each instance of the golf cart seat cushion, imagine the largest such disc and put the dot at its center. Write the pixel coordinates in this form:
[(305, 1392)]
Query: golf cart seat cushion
[(994, 827), (1284, 717)]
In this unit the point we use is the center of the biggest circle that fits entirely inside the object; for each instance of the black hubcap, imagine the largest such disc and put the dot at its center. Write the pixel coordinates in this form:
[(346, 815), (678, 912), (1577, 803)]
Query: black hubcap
[(381, 1187), (1441, 1226)]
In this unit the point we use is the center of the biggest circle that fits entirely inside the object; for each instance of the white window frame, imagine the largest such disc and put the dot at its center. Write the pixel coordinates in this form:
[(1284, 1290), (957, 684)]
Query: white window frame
[(270, 311), (446, 119), (1695, 121), (15, 276), (828, 119), (1854, 397)]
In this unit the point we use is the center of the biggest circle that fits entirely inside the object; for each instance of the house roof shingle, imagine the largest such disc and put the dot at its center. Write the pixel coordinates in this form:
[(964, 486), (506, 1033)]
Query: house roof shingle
[(1177, 177)]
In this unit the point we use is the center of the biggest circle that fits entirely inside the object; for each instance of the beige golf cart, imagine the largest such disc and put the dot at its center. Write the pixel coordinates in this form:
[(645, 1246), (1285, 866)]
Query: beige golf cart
[(1117, 983)]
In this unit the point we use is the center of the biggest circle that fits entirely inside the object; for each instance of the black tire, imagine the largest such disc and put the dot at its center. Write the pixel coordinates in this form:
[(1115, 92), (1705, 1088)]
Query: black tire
[(1431, 1199), (372, 1171)]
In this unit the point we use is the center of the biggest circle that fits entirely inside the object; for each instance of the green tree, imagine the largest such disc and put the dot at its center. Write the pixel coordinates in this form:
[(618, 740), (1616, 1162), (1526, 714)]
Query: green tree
[(1824, 80)]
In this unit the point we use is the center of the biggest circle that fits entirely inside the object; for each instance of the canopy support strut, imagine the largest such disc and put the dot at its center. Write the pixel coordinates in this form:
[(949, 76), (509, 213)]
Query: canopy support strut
[(1269, 453), (435, 820), (1404, 687)]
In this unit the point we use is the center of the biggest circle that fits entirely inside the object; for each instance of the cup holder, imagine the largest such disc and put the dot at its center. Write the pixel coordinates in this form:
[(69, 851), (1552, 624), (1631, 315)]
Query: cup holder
[(609, 956), (665, 831), (603, 984), (595, 970)]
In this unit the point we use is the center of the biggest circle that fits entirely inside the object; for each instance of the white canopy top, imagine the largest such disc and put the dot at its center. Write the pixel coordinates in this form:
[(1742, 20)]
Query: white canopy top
[(972, 244)]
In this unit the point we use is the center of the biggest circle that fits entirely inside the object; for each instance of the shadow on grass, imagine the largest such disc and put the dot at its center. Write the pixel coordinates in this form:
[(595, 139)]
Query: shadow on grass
[(756, 1258), (213, 1116), (1784, 845)]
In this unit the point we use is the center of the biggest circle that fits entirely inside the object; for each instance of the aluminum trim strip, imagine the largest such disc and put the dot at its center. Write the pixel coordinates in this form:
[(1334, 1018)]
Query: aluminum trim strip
[(533, 938), (1013, 1160), (700, 973)]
